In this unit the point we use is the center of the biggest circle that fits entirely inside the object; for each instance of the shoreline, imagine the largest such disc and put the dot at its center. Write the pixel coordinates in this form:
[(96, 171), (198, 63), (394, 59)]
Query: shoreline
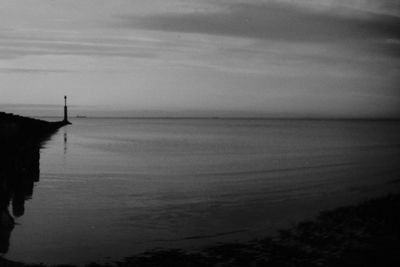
[(366, 234)]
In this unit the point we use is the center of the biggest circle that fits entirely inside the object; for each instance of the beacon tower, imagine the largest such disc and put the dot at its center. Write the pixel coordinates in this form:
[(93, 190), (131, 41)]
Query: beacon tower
[(65, 110)]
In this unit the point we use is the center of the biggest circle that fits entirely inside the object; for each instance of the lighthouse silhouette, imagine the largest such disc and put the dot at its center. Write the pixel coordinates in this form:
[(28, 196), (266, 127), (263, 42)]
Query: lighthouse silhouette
[(65, 111)]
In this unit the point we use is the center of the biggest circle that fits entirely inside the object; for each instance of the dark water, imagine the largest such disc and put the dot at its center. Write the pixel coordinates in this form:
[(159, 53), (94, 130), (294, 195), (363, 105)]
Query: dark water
[(110, 188)]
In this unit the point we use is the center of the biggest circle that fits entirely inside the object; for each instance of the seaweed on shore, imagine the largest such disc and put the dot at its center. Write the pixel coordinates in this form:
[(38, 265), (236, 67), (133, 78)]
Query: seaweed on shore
[(367, 234)]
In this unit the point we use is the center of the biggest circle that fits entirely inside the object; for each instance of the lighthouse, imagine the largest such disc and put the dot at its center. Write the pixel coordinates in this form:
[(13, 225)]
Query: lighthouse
[(65, 111)]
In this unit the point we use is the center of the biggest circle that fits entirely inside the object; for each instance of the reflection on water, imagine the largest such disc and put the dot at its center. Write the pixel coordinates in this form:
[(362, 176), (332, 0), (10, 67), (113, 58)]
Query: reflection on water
[(65, 141)]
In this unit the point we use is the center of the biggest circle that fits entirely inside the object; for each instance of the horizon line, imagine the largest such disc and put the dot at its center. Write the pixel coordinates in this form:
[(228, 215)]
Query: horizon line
[(228, 118)]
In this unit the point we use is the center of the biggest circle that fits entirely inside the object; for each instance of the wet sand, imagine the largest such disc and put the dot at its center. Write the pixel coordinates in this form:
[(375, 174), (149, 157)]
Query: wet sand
[(367, 234)]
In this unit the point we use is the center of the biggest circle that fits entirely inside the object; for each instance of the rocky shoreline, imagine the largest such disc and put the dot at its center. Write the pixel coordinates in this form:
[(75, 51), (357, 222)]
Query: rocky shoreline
[(17, 130), (20, 142)]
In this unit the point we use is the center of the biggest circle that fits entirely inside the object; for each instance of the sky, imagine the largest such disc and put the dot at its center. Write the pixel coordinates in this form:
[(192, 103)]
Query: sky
[(281, 58)]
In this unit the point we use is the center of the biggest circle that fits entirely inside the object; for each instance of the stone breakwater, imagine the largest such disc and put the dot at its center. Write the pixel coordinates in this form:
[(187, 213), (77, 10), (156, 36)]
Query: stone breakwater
[(19, 130), (20, 142)]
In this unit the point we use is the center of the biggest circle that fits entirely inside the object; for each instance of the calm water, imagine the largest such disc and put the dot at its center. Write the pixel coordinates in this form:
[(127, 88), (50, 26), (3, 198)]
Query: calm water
[(110, 188)]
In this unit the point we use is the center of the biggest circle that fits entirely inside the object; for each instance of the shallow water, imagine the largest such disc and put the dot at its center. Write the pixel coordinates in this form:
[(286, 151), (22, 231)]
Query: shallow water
[(110, 188)]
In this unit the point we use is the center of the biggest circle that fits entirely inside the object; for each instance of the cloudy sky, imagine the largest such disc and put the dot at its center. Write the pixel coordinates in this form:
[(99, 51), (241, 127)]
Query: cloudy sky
[(274, 58)]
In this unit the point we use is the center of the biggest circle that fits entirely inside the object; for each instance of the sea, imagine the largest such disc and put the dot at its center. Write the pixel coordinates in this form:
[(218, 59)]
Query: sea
[(110, 188)]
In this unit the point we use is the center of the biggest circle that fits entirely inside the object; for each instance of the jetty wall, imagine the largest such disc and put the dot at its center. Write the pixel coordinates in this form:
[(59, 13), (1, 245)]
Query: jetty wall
[(20, 141)]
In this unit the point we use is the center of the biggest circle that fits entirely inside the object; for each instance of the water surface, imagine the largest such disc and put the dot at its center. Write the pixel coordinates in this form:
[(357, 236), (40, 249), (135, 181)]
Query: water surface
[(110, 188)]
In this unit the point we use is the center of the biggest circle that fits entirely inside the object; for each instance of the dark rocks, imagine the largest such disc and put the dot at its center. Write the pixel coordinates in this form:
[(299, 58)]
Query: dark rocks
[(20, 142), (16, 130)]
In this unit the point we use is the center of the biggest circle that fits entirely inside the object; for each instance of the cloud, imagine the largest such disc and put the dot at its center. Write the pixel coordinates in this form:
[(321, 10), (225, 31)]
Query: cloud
[(34, 70), (387, 6), (21, 43), (276, 21)]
